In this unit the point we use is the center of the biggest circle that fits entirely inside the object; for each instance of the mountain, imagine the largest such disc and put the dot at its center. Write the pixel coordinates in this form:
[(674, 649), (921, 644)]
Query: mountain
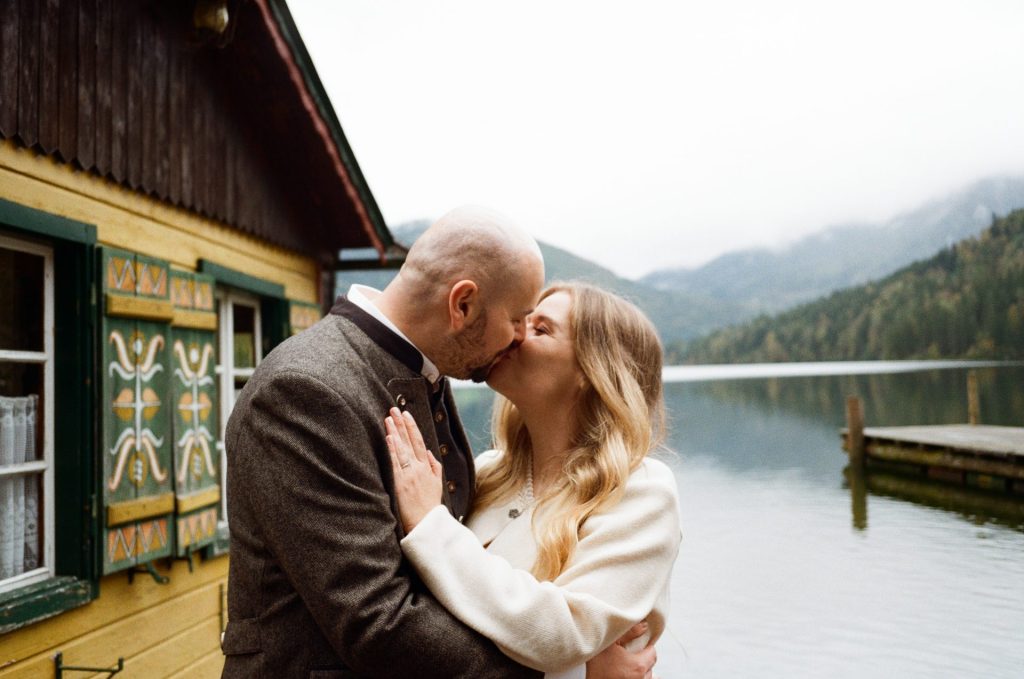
[(965, 302), (768, 281), (678, 316)]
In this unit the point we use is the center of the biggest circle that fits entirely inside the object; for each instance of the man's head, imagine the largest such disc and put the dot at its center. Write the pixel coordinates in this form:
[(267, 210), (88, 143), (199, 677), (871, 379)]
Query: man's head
[(465, 289)]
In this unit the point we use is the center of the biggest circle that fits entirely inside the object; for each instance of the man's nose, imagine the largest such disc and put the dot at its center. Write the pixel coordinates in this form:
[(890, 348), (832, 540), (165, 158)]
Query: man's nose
[(518, 335)]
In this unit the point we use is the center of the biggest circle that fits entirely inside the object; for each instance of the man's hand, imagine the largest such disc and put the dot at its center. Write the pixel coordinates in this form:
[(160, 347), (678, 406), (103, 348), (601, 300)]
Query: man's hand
[(616, 662)]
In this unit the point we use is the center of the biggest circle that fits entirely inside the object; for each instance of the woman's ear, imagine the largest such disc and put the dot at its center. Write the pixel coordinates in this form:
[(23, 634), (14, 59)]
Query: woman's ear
[(463, 304)]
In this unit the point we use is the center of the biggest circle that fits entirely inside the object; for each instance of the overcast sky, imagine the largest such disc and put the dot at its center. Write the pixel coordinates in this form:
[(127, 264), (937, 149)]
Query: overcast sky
[(643, 134)]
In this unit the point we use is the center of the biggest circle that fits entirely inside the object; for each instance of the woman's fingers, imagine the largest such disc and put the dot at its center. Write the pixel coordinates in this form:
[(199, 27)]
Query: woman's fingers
[(399, 451), (406, 442), (395, 464), (419, 447), (403, 431)]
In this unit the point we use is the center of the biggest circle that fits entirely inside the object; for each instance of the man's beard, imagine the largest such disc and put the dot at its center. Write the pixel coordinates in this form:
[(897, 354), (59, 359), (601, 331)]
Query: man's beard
[(472, 338)]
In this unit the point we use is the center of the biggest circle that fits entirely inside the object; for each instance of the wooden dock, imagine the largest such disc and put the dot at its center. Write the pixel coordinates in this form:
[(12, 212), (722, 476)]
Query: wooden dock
[(983, 456)]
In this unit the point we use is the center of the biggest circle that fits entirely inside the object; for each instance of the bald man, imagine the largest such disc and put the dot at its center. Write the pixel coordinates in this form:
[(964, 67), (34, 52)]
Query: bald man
[(317, 585)]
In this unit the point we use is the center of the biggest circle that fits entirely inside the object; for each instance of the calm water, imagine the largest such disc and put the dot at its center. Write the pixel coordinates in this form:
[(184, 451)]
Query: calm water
[(784, 572)]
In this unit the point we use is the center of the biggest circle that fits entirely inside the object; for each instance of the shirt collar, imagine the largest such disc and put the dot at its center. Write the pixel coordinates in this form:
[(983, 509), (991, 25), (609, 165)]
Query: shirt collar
[(362, 296)]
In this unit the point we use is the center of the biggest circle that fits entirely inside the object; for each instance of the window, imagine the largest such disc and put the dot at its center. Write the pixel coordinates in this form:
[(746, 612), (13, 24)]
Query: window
[(240, 351), (26, 413), (47, 426)]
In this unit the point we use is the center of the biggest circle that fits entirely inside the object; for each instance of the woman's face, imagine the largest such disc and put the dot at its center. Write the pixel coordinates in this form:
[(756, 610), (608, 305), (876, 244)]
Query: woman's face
[(543, 369)]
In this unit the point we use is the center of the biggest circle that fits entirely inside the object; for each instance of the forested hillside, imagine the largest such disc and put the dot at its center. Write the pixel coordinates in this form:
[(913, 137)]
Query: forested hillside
[(772, 281), (965, 302)]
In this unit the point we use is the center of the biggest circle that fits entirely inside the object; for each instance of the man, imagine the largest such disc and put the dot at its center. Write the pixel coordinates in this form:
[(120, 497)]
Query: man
[(317, 585)]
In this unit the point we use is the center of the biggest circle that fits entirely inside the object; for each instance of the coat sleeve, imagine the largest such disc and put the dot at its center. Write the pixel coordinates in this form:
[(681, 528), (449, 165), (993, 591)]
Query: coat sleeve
[(621, 565), (316, 477)]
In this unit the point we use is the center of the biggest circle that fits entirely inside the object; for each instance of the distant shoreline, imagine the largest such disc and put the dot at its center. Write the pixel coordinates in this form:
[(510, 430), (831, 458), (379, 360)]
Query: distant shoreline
[(744, 371), (739, 371)]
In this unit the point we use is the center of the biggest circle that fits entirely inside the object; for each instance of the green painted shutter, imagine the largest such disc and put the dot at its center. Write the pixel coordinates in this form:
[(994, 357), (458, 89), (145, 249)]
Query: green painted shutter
[(136, 443), (194, 398)]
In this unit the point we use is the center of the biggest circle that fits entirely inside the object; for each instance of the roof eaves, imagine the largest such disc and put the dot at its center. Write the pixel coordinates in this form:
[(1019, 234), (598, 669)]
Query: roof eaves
[(374, 223)]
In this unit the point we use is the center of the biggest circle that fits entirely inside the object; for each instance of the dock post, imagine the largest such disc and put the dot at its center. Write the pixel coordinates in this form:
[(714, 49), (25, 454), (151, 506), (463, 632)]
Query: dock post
[(973, 403), (855, 432)]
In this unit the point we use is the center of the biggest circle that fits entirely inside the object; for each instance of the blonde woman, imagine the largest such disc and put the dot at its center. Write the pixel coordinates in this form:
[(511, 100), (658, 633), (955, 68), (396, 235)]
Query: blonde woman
[(575, 528)]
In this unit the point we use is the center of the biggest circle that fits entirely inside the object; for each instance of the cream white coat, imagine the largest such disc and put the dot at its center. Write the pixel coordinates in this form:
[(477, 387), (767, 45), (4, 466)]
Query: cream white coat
[(618, 576)]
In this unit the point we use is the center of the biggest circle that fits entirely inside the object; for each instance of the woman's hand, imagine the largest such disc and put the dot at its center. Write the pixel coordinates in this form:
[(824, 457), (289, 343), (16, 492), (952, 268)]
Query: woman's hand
[(616, 662), (417, 474)]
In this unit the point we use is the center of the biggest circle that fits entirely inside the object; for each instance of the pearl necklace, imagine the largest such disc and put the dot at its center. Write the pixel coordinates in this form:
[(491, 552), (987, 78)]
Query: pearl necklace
[(524, 498)]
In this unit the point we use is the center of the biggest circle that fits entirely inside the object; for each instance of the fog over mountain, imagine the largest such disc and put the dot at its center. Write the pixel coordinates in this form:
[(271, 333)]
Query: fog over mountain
[(765, 280)]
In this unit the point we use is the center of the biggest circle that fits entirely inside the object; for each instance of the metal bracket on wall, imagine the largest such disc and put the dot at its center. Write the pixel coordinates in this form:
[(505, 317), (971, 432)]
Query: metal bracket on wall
[(187, 557), (149, 568), (58, 661)]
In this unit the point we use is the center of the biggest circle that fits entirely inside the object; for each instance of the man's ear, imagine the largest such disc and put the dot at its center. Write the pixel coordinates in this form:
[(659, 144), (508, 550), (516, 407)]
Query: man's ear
[(463, 304)]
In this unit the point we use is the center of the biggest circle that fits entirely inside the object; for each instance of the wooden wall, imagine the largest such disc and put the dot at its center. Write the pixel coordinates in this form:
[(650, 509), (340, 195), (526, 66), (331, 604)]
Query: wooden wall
[(161, 631), (129, 91)]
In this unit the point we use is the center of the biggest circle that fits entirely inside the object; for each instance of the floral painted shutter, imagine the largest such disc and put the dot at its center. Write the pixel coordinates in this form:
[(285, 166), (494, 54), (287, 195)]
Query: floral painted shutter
[(194, 396), (136, 426)]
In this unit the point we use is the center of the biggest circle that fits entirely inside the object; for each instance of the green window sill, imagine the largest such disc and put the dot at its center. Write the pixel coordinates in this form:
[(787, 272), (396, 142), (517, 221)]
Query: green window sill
[(42, 600)]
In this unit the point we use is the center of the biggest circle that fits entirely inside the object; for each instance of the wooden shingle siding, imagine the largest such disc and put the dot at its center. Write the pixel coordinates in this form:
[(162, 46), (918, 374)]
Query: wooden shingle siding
[(127, 91)]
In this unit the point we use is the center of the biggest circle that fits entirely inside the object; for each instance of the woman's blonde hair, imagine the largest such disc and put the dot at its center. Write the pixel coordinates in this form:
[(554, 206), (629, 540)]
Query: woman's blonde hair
[(620, 418)]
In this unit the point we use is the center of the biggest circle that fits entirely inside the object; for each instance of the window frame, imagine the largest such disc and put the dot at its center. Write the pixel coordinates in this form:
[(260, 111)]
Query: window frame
[(46, 359), (227, 373), (76, 481)]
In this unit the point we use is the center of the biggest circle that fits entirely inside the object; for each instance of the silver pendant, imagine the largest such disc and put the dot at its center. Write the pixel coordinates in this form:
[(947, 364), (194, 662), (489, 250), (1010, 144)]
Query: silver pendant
[(514, 513)]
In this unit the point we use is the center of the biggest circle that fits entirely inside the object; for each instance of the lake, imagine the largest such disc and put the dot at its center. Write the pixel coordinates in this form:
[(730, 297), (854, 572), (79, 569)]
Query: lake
[(783, 572)]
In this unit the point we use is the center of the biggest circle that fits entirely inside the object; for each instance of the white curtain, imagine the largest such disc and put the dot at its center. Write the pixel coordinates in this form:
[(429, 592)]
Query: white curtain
[(19, 494)]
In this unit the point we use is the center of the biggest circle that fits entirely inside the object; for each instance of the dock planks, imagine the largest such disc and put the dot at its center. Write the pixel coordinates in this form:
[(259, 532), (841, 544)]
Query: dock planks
[(969, 438), (985, 456)]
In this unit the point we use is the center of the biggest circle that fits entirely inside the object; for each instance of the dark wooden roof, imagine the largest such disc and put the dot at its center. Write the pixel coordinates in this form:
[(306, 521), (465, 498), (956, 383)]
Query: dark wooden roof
[(236, 127)]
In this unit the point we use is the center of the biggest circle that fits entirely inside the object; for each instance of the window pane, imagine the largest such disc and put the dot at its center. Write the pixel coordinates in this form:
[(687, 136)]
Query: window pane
[(19, 492), (21, 380), (244, 320), (21, 301), (33, 521)]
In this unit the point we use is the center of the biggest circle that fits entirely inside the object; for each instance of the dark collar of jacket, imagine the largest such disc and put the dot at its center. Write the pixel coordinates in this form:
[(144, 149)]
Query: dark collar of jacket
[(382, 335)]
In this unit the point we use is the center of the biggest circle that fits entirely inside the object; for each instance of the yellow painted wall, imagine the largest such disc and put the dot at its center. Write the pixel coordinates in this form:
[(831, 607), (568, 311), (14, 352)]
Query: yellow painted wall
[(128, 220), (168, 630)]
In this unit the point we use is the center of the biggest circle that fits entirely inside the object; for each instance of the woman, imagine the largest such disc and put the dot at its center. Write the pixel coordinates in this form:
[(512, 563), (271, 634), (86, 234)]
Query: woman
[(574, 529)]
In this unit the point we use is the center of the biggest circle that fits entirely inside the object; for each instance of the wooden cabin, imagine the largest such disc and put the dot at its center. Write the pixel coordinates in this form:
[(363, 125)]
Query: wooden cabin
[(175, 190)]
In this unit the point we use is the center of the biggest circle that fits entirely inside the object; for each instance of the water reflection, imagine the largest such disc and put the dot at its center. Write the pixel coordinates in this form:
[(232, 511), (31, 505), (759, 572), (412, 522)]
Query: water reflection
[(973, 504)]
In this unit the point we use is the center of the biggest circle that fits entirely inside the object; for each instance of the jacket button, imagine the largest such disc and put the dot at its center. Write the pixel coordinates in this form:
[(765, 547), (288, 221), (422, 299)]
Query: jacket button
[(438, 416), (451, 486), (401, 401), (443, 449)]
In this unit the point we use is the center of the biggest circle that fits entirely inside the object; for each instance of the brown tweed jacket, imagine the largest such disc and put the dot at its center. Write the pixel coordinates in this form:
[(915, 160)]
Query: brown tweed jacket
[(317, 584)]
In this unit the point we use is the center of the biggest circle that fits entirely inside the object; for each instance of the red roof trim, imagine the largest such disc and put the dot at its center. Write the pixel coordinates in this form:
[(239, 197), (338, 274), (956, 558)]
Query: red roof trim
[(295, 74)]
